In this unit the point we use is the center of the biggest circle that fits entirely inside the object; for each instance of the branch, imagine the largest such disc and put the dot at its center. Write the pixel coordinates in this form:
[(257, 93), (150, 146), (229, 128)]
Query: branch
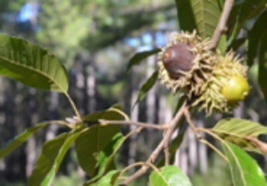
[(139, 124), (195, 130), (221, 25), (159, 148)]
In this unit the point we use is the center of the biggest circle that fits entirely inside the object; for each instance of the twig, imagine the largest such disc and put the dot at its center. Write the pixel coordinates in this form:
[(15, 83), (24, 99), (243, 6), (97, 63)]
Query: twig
[(221, 25), (140, 124), (212, 146), (155, 153), (166, 150), (195, 130)]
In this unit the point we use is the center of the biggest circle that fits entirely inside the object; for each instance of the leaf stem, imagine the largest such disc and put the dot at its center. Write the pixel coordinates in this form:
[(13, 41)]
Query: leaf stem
[(73, 106)]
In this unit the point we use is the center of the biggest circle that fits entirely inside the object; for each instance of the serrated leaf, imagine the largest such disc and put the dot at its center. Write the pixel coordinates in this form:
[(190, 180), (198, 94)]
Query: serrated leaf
[(147, 86), (169, 176), (240, 132), (106, 157), (18, 140), (139, 57), (256, 36), (202, 15), (94, 139), (31, 65), (50, 159), (263, 64), (108, 180), (244, 169)]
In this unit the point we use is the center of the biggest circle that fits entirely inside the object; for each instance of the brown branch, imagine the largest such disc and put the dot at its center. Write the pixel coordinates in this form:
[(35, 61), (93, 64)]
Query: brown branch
[(201, 140), (169, 131), (221, 25), (139, 124)]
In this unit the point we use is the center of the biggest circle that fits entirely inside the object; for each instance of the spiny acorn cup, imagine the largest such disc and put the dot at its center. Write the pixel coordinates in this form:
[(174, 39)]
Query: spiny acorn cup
[(209, 81)]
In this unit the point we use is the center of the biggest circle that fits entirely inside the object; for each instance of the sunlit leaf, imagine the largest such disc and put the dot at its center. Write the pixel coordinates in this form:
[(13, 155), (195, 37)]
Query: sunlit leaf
[(244, 169), (31, 65), (139, 57), (241, 132), (256, 36), (202, 15), (18, 140), (51, 157), (169, 176)]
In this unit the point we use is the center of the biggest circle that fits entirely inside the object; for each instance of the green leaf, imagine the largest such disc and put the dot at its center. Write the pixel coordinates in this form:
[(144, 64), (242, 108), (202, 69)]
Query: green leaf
[(31, 65), (147, 86), (237, 43), (245, 11), (95, 139), (18, 140), (139, 57), (256, 35), (169, 176), (105, 160), (263, 64), (108, 180), (244, 169), (50, 159), (202, 15), (241, 132)]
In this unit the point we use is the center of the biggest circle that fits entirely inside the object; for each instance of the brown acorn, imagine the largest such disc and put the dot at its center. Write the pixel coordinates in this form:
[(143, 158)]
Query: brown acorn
[(177, 58)]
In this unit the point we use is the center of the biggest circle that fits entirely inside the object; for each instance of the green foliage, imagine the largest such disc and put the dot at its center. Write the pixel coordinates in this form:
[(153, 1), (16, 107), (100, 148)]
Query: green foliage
[(200, 15), (95, 139), (18, 140), (256, 36), (244, 169), (242, 12), (51, 157), (150, 82), (139, 57), (169, 176), (108, 180), (31, 65), (241, 132)]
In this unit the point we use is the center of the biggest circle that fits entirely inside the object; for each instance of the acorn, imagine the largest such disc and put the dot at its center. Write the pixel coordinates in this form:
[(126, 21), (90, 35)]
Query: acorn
[(177, 58), (209, 81)]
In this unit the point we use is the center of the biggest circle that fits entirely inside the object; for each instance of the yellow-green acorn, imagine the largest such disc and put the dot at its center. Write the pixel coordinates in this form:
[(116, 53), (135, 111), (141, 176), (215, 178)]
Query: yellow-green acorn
[(209, 81)]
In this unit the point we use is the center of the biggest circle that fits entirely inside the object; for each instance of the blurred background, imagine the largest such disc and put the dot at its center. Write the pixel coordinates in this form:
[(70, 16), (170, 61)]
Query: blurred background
[(95, 40)]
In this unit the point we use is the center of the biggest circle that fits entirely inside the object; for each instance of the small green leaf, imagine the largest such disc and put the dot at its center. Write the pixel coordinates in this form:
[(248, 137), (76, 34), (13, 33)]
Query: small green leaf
[(31, 65), (108, 180), (18, 140), (263, 64), (241, 132), (147, 86), (95, 139), (169, 176), (139, 57), (50, 159), (256, 35), (237, 43), (202, 15), (244, 169)]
